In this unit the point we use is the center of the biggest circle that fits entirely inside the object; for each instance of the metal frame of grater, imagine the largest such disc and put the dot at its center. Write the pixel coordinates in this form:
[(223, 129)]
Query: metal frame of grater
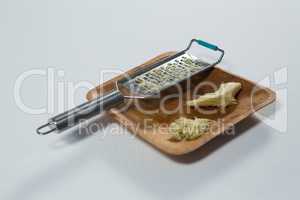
[(91, 108)]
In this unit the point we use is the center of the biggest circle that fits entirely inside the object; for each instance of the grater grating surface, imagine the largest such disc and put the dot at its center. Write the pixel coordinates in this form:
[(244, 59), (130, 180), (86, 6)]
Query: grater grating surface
[(165, 75)]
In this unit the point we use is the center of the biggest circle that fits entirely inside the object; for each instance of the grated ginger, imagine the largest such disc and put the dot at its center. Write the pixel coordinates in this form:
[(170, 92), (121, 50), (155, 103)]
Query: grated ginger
[(189, 129)]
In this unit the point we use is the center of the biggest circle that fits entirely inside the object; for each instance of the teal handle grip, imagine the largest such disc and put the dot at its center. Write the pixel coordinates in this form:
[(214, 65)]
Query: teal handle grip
[(207, 45)]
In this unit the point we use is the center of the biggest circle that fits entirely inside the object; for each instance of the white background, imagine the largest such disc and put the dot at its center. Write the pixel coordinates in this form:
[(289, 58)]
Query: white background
[(84, 37)]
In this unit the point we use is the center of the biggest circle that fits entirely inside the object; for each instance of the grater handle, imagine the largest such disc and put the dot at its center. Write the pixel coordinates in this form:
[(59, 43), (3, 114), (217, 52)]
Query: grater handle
[(84, 111), (207, 45)]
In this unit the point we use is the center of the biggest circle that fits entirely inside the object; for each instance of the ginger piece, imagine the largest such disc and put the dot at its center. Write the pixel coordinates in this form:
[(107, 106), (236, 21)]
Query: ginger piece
[(222, 97), (188, 129)]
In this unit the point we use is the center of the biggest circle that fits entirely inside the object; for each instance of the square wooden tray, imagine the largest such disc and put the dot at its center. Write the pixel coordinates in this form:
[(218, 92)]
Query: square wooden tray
[(250, 99)]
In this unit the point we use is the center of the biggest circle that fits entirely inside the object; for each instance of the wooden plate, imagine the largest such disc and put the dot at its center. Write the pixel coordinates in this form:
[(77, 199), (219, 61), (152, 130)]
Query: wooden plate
[(152, 127)]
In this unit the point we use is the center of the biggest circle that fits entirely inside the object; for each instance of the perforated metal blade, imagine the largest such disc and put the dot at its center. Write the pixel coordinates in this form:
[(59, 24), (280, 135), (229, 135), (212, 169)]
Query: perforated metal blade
[(148, 82)]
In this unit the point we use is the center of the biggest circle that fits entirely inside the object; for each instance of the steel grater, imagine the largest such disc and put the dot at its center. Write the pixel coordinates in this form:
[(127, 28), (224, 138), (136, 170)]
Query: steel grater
[(143, 83)]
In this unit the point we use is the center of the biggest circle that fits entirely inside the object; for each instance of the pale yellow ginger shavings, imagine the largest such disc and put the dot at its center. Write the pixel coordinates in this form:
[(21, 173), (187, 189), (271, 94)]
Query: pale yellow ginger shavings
[(189, 129), (222, 97)]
